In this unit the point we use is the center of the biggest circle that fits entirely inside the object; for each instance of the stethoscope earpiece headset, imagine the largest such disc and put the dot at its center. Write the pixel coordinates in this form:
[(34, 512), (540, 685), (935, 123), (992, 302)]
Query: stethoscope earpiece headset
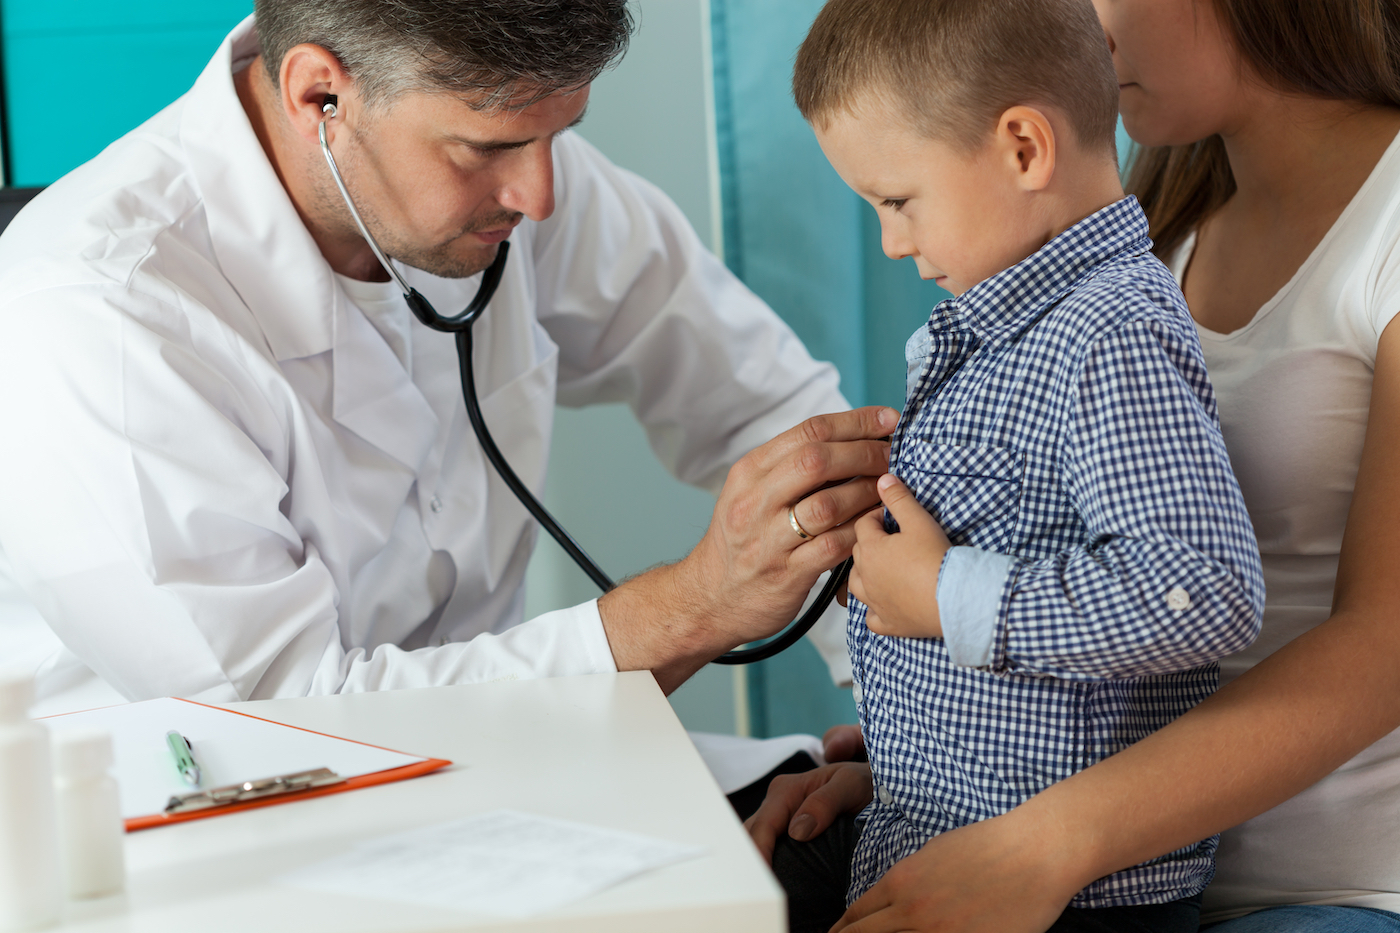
[(461, 327)]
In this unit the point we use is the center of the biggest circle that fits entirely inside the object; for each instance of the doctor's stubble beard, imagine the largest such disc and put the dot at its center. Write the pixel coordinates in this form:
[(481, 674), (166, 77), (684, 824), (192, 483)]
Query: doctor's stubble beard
[(437, 259)]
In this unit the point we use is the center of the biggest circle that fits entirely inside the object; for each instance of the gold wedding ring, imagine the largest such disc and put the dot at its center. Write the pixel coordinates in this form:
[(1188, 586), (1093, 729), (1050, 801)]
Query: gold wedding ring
[(796, 525)]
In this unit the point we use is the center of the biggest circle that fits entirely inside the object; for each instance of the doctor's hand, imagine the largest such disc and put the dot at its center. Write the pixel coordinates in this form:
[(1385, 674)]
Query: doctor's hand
[(751, 572), (896, 575), (804, 805)]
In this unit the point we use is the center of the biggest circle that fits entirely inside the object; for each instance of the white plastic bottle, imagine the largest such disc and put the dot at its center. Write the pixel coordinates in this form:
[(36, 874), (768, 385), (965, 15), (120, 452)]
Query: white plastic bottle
[(31, 896), (90, 826)]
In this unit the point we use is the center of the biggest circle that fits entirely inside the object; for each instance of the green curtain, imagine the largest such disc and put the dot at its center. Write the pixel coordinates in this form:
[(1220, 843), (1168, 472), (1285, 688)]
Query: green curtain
[(80, 73), (809, 247)]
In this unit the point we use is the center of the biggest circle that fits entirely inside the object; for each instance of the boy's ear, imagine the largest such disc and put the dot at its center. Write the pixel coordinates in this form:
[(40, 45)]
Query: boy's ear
[(1026, 140)]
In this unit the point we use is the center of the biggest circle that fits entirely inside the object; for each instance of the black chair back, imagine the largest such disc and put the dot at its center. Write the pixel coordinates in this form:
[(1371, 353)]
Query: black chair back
[(11, 200)]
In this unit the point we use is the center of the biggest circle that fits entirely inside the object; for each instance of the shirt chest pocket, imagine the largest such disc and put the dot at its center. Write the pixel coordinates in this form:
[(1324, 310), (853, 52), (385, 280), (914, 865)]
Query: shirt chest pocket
[(974, 492)]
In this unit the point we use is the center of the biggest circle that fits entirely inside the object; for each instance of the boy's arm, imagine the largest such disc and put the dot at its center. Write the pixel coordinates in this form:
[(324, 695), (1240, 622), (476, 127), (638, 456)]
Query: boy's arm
[(1170, 579)]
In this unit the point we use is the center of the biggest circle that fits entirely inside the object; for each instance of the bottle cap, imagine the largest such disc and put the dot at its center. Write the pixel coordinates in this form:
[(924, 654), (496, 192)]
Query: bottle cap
[(16, 694), (81, 753)]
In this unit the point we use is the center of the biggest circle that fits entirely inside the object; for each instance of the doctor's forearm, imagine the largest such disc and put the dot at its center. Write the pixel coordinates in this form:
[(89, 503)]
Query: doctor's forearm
[(657, 622)]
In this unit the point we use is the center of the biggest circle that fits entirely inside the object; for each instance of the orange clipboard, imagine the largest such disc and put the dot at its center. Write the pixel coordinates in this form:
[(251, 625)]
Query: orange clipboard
[(138, 738)]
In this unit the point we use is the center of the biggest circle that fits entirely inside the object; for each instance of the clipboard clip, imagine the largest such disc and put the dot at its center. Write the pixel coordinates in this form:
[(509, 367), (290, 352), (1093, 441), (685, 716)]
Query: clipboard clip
[(252, 790)]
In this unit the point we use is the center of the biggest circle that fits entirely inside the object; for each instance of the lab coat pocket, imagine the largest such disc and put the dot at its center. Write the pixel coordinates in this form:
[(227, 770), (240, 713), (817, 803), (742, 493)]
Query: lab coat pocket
[(974, 492)]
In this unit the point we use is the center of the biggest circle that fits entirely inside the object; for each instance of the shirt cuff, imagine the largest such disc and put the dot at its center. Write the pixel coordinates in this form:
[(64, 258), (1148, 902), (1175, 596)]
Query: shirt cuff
[(563, 643), (969, 595), (583, 623), (829, 637)]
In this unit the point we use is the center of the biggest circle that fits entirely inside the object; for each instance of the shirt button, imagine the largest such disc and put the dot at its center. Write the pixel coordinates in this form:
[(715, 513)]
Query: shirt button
[(885, 796), (856, 693), (435, 504), (1178, 600)]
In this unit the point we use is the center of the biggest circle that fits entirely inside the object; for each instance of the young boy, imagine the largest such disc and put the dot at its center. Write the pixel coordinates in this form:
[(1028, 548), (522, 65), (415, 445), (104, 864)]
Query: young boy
[(1073, 551)]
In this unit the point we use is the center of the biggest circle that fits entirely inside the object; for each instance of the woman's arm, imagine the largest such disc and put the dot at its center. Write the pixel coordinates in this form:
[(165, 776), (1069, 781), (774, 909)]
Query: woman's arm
[(1280, 728)]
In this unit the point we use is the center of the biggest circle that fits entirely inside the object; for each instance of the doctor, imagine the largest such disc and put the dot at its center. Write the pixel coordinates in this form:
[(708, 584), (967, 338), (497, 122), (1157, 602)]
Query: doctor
[(235, 467)]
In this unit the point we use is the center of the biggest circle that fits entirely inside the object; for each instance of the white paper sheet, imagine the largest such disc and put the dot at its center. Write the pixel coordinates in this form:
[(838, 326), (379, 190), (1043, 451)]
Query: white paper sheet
[(502, 863), (737, 762), (228, 747)]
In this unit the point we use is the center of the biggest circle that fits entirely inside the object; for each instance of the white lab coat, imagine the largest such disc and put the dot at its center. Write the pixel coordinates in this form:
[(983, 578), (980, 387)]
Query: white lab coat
[(219, 481)]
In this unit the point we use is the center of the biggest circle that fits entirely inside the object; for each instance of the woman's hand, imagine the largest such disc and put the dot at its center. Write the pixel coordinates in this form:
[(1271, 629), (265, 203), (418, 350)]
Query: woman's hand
[(988, 877), (896, 576), (843, 743), (804, 805)]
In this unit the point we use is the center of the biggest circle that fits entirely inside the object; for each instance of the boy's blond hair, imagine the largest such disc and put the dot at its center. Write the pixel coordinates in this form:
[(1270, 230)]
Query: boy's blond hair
[(955, 66)]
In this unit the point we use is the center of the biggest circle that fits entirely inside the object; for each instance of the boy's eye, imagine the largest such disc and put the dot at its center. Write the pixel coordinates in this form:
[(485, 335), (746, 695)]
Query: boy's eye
[(893, 203)]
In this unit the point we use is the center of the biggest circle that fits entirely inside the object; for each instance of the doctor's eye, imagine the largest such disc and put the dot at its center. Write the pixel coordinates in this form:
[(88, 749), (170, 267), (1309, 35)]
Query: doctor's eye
[(893, 204)]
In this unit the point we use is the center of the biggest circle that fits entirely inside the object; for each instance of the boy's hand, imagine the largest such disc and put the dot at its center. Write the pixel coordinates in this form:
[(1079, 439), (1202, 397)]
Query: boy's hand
[(896, 576)]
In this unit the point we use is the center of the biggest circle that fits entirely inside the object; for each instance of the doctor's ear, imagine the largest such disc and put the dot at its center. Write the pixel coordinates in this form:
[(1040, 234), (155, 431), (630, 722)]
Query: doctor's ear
[(311, 77)]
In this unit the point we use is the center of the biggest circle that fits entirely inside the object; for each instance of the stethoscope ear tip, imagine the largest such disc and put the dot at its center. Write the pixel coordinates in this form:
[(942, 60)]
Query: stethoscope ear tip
[(330, 105)]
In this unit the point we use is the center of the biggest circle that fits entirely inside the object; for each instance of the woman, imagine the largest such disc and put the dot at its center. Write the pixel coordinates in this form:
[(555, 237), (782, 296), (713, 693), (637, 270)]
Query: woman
[(1272, 181)]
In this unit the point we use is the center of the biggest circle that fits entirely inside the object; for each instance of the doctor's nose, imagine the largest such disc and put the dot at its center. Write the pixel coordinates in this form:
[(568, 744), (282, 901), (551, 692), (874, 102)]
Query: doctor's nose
[(530, 187)]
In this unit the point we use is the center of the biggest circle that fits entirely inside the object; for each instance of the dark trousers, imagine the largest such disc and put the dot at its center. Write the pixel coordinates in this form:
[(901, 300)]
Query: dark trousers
[(816, 874)]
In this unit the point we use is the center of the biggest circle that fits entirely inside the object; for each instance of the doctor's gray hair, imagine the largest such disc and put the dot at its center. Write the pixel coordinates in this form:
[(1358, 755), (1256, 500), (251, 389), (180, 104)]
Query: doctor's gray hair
[(495, 54)]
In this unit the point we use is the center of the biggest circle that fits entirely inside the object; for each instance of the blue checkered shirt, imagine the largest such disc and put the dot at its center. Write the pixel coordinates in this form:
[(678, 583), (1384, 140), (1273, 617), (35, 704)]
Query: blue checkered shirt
[(1063, 431)]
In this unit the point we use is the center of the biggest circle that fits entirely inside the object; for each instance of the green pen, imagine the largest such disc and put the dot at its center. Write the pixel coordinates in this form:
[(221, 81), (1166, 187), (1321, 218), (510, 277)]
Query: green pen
[(184, 757)]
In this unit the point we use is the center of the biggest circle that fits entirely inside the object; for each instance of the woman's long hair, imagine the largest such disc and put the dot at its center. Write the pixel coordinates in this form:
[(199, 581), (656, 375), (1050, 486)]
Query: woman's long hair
[(1332, 49)]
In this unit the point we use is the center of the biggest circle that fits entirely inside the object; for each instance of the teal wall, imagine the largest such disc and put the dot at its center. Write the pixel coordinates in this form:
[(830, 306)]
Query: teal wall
[(80, 73), (810, 248), (791, 229), (604, 483)]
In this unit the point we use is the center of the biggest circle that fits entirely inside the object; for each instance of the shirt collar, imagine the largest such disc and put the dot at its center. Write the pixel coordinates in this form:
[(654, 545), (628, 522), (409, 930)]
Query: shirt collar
[(263, 248), (1011, 300), (270, 258)]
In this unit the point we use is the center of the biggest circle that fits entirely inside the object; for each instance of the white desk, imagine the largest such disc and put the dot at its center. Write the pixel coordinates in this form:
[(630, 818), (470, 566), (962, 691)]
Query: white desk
[(604, 749)]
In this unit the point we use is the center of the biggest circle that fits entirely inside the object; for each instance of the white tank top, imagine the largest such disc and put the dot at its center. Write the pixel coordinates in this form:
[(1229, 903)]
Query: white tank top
[(1294, 386)]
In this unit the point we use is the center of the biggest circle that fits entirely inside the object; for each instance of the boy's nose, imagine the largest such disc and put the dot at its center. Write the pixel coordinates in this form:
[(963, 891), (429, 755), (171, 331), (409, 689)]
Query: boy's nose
[(895, 245)]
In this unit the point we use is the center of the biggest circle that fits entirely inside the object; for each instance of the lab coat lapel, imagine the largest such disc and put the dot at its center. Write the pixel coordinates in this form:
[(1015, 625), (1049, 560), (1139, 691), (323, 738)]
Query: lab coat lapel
[(373, 394), (271, 259), (268, 255), (262, 246)]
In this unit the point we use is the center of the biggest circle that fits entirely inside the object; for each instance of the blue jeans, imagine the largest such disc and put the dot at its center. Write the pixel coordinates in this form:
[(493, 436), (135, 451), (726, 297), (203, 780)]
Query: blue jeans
[(1311, 919)]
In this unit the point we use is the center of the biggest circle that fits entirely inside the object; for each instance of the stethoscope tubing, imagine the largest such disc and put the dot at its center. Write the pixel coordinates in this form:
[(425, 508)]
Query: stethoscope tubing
[(461, 327), (498, 460)]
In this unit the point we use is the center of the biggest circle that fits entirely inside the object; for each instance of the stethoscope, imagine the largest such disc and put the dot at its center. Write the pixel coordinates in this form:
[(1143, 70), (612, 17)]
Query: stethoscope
[(461, 326)]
